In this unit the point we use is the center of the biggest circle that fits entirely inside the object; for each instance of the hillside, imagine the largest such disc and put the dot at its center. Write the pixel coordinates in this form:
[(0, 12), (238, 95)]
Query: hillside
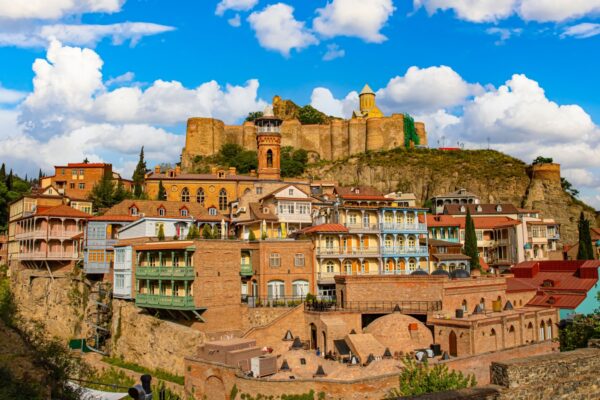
[(496, 177)]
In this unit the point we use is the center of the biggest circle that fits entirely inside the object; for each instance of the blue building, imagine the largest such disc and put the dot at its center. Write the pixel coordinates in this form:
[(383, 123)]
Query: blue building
[(100, 237)]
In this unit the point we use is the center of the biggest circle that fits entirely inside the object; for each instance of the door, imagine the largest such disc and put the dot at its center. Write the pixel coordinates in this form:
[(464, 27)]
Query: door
[(452, 344)]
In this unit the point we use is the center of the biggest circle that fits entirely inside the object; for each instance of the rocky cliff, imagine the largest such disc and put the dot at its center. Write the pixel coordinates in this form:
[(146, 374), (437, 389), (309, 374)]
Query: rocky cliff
[(494, 176)]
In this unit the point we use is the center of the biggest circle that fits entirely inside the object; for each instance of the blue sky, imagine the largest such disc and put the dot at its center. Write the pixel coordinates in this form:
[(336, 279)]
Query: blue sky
[(112, 75)]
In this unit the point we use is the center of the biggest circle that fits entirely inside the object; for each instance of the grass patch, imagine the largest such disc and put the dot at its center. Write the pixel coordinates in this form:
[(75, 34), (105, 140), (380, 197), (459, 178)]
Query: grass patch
[(158, 373)]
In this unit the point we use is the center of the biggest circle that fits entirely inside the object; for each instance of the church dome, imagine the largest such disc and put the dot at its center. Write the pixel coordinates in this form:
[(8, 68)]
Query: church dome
[(400, 332)]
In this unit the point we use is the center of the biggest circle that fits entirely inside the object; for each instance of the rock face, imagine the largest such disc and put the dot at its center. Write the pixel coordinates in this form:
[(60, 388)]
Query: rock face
[(495, 177), (149, 341)]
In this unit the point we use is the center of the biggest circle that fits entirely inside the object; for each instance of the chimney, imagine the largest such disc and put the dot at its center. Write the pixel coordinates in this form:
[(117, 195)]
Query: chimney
[(177, 170), (213, 170), (232, 171), (157, 169), (252, 172)]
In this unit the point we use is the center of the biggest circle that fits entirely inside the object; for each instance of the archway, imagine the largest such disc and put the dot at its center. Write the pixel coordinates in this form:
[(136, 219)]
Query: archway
[(494, 339), (214, 388), (313, 336), (452, 345), (512, 337)]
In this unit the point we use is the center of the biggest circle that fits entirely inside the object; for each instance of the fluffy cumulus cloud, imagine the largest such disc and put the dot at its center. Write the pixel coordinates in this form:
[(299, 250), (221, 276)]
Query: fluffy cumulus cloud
[(72, 113), (34, 23), (422, 90), (528, 10), (54, 9), (237, 5), (358, 18), (277, 29), (581, 31), (10, 96), (322, 99), (333, 51)]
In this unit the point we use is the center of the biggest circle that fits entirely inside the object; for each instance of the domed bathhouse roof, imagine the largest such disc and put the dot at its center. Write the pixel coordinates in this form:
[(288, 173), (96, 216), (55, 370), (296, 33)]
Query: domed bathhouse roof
[(460, 273), (440, 272), (400, 332)]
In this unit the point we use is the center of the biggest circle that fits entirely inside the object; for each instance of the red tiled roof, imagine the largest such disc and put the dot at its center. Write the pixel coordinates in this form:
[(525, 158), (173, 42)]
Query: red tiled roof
[(519, 285), (83, 165), (61, 211), (325, 228), (175, 244), (434, 221), (570, 301)]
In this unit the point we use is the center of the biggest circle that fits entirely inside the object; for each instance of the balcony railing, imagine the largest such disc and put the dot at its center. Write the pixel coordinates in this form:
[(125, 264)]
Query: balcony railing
[(164, 301), (403, 227), (31, 234), (186, 272), (340, 251), (274, 301), (362, 227), (405, 250), (56, 255), (246, 269), (63, 233), (408, 307)]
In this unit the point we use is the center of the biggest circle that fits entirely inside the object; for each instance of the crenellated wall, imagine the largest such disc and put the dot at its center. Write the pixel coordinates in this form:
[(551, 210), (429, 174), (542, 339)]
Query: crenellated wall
[(332, 141)]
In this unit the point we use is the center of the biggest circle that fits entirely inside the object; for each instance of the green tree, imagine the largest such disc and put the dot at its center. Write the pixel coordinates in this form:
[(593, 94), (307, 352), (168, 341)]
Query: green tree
[(410, 132), (102, 194), (139, 175), (309, 115), (418, 378), (585, 250), (162, 192), (542, 160), (234, 155), (293, 161), (576, 334), (207, 232), (470, 248), (193, 232), (568, 187), (254, 115), (3, 172), (9, 180), (161, 233), (120, 193), (251, 235)]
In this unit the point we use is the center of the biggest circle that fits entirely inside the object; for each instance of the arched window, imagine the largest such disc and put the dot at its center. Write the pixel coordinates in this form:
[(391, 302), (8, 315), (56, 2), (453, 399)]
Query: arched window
[(223, 200), (162, 212), (269, 158), (549, 329), (542, 330), (329, 266), (275, 289), (348, 267), (412, 264), (464, 305), (185, 195), (482, 303), (200, 196), (299, 288)]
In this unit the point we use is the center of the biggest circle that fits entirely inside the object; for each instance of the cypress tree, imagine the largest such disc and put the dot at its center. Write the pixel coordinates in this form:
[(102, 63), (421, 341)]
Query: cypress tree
[(162, 192), (585, 250), (161, 233), (139, 175), (206, 232), (40, 176), (3, 172), (9, 180), (471, 241)]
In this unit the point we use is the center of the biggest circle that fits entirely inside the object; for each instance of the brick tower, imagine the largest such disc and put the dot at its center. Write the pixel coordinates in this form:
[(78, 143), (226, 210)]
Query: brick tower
[(268, 140)]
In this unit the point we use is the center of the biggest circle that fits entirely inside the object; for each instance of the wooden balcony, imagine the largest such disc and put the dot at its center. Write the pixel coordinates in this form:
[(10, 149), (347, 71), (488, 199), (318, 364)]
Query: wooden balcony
[(165, 301), (174, 273)]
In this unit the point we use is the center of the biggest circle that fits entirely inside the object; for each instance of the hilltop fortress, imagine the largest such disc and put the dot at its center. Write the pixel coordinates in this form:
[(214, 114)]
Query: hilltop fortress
[(368, 129)]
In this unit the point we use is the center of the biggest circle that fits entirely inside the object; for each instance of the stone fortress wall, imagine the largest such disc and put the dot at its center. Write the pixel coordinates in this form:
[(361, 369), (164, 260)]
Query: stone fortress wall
[(367, 130)]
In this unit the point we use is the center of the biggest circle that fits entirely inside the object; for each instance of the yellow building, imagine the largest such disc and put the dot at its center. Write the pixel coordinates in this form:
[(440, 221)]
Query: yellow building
[(368, 107)]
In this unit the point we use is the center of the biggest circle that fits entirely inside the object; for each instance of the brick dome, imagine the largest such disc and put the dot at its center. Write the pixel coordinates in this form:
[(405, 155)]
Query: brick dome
[(400, 332)]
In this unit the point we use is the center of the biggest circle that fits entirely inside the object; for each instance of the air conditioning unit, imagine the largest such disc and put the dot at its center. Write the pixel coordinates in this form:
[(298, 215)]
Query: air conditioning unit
[(263, 365), (241, 210)]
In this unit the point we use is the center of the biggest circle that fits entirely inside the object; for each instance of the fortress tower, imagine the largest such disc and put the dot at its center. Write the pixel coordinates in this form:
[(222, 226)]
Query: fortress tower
[(368, 107), (268, 143)]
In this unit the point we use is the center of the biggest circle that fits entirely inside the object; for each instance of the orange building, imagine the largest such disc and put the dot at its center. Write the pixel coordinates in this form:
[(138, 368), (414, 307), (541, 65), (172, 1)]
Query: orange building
[(76, 180), (3, 248)]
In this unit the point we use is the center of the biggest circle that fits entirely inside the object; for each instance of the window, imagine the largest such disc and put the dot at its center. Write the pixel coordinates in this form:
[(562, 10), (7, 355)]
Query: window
[(74, 174), (363, 266), (81, 171), (479, 235), (366, 220), (290, 192), (328, 242), (303, 209), (183, 212), (185, 195), (72, 185), (200, 196), (82, 186), (388, 242), (275, 289), (329, 267), (96, 256), (269, 158), (352, 219), (299, 260), (176, 260), (412, 264), (222, 199), (212, 211), (62, 171), (120, 255), (275, 260), (133, 211), (348, 267), (157, 228), (162, 212), (151, 260), (410, 219), (290, 208), (299, 288), (259, 190), (119, 281)]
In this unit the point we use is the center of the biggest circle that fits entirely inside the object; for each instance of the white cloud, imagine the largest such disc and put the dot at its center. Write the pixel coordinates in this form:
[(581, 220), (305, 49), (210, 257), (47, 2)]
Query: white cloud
[(471, 10), (503, 33), (10, 96), (322, 99), (423, 90), (528, 10), (31, 35), (580, 177), (358, 18), (237, 5), (581, 31), (333, 52), (236, 21), (54, 9), (123, 78), (277, 29), (519, 111)]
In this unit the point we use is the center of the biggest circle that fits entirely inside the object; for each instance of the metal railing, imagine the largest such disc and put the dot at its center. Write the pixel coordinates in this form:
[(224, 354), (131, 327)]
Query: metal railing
[(362, 227), (281, 301), (406, 307), (165, 272), (419, 250), (340, 251), (392, 226)]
